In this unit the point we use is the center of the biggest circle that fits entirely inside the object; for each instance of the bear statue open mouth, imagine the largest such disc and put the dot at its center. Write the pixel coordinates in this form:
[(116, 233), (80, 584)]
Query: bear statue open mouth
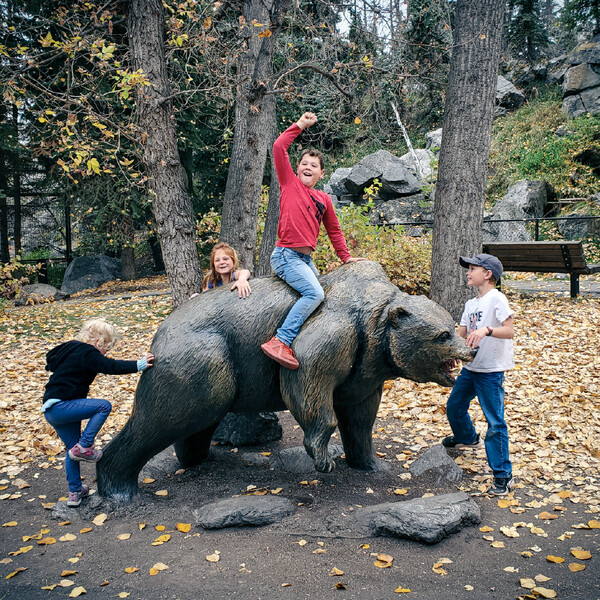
[(453, 364)]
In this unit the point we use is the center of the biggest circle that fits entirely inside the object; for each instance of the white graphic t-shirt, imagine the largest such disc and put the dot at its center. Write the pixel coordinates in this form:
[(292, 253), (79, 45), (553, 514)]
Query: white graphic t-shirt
[(490, 310)]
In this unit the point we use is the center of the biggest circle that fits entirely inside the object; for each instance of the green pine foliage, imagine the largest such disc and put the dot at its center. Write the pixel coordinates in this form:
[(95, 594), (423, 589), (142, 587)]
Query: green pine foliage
[(526, 32)]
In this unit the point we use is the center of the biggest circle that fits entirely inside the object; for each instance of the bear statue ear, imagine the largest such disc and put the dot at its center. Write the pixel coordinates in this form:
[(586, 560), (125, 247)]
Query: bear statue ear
[(395, 314)]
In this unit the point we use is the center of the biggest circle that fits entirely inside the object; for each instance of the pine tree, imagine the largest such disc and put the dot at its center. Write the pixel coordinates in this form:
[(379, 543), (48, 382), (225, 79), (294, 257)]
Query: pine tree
[(527, 32)]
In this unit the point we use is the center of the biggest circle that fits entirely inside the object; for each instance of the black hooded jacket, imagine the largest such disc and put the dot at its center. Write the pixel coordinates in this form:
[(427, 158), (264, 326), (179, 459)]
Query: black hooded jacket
[(74, 366)]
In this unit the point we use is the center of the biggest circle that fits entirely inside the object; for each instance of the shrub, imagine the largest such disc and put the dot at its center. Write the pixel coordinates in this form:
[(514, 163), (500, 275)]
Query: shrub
[(13, 275), (406, 260)]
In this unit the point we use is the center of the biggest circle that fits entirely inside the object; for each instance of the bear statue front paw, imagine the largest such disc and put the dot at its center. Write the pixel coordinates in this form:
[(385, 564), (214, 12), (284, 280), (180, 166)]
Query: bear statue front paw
[(325, 465)]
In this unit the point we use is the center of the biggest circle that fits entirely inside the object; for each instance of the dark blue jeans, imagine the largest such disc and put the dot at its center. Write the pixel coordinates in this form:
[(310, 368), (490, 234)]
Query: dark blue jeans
[(66, 417), (488, 389), (299, 272)]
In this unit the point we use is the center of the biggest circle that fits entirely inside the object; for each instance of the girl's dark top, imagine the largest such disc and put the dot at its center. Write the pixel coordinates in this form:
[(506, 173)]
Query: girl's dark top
[(74, 366)]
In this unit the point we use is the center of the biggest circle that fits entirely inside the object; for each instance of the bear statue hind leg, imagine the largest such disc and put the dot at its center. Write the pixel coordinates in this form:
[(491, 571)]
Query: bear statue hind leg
[(193, 450), (355, 423), (317, 419)]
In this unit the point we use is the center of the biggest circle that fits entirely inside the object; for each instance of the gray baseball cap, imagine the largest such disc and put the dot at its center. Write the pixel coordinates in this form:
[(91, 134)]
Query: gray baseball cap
[(487, 261)]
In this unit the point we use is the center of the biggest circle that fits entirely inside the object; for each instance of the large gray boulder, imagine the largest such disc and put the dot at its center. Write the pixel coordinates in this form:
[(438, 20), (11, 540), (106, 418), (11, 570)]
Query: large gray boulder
[(245, 511), (425, 170), (426, 520), (437, 466), (38, 293), (335, 186), (248, 429), (581, 86), (90, 271), (395, 177), (574, 228), (508, 97), (406, 209), (524, 199), (433, 140)]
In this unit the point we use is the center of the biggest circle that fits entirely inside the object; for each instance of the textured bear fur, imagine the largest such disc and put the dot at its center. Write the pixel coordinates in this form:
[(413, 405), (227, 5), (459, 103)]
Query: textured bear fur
[(209, 362)]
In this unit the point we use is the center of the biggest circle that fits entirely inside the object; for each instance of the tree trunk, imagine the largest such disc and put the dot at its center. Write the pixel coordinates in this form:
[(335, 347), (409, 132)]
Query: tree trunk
[(4, 253), (263, 265), (127, 263), (250, 140), (462, 174), (172, 204), (16, 160)]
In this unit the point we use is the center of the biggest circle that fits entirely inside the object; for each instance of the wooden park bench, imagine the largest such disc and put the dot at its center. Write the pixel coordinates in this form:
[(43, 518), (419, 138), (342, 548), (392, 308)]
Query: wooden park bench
[(544, 257)]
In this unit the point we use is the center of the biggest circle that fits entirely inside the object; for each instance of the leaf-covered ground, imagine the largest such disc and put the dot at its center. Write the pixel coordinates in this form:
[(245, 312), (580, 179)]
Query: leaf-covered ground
[(553, 411)]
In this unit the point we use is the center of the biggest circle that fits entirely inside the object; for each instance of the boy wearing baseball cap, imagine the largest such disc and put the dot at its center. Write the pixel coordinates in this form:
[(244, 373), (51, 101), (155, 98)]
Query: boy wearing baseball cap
[(486, 324)]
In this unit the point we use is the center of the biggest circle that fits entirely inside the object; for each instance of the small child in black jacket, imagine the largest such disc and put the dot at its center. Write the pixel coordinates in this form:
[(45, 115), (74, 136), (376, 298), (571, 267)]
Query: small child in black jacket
[(74, 366)]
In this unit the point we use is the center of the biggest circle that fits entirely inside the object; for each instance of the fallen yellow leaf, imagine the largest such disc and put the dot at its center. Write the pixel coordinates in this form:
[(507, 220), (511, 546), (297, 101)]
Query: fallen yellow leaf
[(581, 554), (401, 590), (16, 572), (382, 565), (68, 537), (527, 583), (400, 492), (183, 527), (213, 558), (161, 493), (99, 519), (335, 572), (486, 529), (544, 592), (131, 570), (555, 559), (86, 530), (594, 524), (148, 480), (66, 573), (123, 536), (547, 516), (124, 594), (10, 524), (47, 541), (78, 591), (157, 568)]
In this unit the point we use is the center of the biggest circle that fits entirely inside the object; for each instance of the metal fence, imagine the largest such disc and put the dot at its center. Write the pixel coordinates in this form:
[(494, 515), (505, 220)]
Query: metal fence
[(572, 227)]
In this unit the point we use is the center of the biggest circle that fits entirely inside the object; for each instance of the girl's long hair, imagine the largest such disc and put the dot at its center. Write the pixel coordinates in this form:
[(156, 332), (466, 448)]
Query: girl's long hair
[(212, 276)]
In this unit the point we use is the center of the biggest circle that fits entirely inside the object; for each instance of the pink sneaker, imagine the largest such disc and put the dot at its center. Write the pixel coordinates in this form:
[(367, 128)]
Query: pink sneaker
[(85, 454), (280, 353), (75, 498)]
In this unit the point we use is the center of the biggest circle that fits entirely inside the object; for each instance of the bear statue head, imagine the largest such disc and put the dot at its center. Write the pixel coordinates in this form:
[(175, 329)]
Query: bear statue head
[(422, 344)]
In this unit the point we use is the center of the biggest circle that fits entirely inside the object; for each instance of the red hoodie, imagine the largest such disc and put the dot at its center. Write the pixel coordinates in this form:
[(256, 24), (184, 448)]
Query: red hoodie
[(302, 209)]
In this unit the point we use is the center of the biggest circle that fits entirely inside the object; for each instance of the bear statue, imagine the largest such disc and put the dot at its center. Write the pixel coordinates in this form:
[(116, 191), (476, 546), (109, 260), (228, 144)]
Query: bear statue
[(209, 362)]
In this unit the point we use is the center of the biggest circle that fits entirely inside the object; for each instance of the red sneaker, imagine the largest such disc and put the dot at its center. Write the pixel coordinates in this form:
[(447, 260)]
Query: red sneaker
[(280, 353)]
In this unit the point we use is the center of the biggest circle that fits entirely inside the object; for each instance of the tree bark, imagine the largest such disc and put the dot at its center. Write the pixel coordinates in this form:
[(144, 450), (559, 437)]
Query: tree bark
[(462, 174), (16, 161), (263, 264), (251, 139), (172, 204), (4, 253)]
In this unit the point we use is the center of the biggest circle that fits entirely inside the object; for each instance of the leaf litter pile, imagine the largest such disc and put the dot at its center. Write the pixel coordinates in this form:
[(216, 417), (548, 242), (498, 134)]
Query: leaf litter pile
[(552, 409)]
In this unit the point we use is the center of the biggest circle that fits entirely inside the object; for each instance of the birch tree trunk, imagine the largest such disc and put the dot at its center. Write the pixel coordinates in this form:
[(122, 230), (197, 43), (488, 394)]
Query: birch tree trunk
[(462, 174), (171, 203)]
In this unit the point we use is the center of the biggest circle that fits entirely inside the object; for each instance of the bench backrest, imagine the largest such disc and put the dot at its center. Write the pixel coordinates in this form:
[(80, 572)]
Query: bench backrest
[(540, 257)]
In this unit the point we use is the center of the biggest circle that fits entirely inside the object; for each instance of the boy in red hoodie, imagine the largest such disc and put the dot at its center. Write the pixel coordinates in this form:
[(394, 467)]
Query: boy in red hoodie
[(302, 209)]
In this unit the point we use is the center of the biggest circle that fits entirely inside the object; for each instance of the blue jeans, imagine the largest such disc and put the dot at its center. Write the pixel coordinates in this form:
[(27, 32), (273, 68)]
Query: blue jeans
[(66, 417), (299, 272), (488, 389)]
